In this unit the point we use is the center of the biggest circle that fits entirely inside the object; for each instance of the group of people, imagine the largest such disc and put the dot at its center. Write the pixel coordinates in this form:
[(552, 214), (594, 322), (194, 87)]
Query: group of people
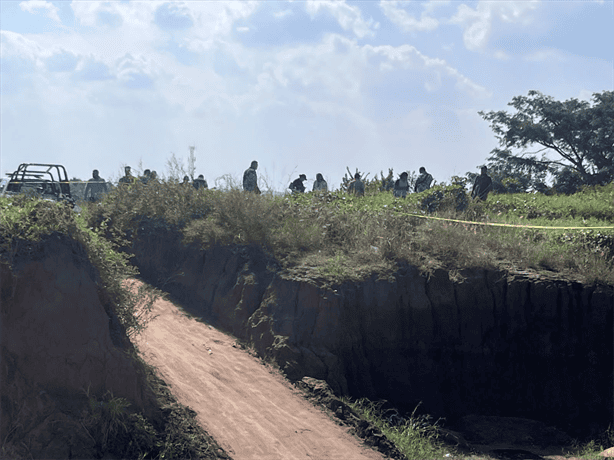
[(400, 187), (97, 186), (481, 187), (199, 183)]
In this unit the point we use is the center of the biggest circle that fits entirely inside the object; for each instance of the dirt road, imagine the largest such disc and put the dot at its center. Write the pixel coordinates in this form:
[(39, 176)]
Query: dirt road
[(251, 411)]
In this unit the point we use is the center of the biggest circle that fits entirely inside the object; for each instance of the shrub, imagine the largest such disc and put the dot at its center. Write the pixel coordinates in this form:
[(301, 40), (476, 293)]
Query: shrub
[(338, 233)]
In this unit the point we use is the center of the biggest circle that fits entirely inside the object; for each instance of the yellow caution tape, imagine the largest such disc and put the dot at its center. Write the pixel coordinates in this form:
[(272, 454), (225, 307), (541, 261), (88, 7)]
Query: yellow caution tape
[(497, 224)]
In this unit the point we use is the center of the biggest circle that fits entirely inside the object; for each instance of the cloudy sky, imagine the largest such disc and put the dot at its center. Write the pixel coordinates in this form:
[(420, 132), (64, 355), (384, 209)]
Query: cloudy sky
[(301, 86)]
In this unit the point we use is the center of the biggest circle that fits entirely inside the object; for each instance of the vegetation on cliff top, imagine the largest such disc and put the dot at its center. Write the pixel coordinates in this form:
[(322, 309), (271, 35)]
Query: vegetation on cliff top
[(334, 237)]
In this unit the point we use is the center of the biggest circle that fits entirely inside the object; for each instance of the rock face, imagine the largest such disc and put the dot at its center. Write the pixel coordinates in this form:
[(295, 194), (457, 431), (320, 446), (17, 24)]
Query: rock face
[(488, 342), (58, 339)]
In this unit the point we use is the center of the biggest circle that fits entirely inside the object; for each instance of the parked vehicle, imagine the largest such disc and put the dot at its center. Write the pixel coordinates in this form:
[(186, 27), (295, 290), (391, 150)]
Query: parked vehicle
[(48, 181)]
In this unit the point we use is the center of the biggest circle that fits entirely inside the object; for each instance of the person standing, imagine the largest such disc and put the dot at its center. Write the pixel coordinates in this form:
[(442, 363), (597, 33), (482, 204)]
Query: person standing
[(200, 182), (401, 186), (297, 185), (250, 179), (423, 182), (357, 186), (145, 177), (128, 178), (320, 184), (482, 185), (95, 187)]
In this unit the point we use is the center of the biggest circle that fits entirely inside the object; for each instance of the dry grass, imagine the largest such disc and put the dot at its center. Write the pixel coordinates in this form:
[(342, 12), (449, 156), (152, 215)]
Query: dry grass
[(338, 236)]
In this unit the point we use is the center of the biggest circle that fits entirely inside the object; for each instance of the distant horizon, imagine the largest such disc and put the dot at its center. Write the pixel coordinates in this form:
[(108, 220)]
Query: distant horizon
[(302, 87)]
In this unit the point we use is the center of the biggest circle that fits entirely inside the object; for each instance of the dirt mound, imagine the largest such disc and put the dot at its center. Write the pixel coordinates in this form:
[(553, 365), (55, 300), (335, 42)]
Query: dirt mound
[(70, 379)]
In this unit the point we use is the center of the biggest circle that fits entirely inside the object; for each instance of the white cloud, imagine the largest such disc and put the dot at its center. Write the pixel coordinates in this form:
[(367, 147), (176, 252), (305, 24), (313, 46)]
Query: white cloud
[(408, 57), (407, 22), (585, 95), (16, 45), (135, 72), (93, 13), (501, 55), (92, 69), (546, 55), (33, 6), (478, 23), (62, 61), (243, 29), (338, 73), (282, 14), (349, 17)]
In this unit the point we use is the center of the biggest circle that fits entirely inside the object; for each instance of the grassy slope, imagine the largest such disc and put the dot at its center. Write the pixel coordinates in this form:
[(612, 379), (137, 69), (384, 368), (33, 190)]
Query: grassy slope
[(335, 237)]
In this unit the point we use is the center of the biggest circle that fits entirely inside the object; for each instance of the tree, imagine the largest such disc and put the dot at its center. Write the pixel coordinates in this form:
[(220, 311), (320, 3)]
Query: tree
[(581, 134)]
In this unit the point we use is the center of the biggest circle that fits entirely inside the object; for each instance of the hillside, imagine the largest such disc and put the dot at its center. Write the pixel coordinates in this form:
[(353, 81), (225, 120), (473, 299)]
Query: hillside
[(408, 300)]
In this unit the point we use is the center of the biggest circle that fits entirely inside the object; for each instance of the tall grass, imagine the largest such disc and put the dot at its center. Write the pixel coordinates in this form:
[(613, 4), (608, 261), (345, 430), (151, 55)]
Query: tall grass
[(27, 221), (416, 437), (338, 236)]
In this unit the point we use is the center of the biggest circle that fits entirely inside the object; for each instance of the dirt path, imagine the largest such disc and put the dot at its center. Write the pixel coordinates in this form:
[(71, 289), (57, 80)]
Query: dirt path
[(251, 411)]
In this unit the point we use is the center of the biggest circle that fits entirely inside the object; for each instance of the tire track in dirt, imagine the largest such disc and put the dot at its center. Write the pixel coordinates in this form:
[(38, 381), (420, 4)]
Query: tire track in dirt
[(250, 410)]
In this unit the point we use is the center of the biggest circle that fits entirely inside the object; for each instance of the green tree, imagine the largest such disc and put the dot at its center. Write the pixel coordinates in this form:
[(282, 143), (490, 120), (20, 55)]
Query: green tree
[(580, 133)]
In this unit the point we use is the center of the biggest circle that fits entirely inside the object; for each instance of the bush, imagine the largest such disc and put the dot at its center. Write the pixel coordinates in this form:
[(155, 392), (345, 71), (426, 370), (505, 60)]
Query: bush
[(336, 235)]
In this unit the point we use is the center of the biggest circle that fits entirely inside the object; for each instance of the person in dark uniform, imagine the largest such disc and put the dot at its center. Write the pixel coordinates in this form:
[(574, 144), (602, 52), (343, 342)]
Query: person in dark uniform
[(482, 185), (297, 185), (95, 187), (200, 182)]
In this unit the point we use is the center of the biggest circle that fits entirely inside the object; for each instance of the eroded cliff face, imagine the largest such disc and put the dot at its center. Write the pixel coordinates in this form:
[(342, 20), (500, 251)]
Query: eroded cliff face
[(57, 342), (485, 342)]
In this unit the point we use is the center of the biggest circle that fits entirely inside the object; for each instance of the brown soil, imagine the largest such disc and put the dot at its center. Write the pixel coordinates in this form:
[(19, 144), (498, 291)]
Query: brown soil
[(250, 409), (254, 412)]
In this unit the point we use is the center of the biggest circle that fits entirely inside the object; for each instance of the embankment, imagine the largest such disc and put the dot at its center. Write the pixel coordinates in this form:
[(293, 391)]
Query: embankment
[(59, 339), (482, 342)]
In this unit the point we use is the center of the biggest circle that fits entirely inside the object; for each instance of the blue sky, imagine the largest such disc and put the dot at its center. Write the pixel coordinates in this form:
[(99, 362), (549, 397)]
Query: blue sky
[(300, 86)]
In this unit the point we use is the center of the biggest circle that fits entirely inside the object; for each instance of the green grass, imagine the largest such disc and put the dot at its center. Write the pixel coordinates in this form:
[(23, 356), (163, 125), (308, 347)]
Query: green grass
[(26, 221), (417, 437), (591, 449), (337, 236)]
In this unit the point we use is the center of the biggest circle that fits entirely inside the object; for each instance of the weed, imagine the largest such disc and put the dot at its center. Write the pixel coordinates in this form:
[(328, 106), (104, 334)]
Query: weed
[(25, 223), (416, 436), (353, 236)]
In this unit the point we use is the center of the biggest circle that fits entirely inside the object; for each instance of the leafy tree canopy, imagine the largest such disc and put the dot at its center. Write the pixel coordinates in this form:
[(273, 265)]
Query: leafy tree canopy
[(581, 135)]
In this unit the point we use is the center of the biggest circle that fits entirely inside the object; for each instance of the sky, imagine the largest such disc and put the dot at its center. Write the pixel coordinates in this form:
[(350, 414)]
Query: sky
[(303, 87)]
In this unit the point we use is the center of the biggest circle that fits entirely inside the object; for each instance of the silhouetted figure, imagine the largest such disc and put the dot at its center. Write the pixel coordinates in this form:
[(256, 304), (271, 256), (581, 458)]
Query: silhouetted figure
[(186, 181), (320, 184), (128, 178), (423, 182), (482, 185), (250, 179), (200, 182), (357, 186), (95, 187), (297, 184), (145, 177), (401, 186)]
